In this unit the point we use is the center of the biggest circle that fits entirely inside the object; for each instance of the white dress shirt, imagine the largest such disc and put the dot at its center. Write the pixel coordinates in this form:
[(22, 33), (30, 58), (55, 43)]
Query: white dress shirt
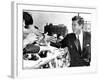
[(80, 37)]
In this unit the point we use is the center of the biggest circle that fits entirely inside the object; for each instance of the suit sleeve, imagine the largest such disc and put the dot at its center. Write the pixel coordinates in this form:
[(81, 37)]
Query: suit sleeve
[(64, 42)]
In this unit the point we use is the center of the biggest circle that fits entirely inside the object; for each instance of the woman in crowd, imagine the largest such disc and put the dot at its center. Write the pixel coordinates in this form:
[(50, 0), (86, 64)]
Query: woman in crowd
[(30, 36)]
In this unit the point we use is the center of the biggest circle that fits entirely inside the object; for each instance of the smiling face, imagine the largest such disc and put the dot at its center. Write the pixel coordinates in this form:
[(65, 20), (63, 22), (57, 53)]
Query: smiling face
[(76, 27)]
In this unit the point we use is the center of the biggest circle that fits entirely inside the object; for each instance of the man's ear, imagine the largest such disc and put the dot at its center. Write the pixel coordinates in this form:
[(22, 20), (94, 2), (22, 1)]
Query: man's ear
[(81, 26)]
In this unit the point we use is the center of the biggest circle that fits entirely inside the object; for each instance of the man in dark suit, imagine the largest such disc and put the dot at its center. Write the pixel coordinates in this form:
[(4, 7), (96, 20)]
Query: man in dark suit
[(78, 43)]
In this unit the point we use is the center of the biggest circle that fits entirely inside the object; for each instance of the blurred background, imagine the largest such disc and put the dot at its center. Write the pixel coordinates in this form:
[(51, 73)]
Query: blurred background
[(43, 18)]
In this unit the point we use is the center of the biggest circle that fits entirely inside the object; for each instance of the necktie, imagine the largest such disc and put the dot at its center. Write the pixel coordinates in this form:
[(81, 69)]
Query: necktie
[(78, 46)]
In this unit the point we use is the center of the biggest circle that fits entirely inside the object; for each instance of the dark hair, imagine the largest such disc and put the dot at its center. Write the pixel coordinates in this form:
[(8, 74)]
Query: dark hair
[(79, 18), (28, 19)]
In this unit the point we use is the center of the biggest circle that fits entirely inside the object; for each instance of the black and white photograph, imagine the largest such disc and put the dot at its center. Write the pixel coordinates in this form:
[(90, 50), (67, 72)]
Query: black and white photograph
[(56, 39), (53, 39)]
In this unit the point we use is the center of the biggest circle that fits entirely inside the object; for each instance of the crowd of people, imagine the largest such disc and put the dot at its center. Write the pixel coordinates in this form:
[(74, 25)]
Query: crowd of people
[(56, 50)]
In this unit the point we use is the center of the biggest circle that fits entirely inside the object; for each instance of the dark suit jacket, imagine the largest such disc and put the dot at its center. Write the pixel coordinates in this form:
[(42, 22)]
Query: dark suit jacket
[(78, 58)]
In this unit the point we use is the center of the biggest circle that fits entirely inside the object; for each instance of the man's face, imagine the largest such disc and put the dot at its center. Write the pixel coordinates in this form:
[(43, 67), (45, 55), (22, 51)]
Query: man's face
[(76, 27)]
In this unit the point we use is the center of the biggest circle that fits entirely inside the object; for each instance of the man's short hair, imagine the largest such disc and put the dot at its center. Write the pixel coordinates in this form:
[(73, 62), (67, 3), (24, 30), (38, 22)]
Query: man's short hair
[(79, 19)]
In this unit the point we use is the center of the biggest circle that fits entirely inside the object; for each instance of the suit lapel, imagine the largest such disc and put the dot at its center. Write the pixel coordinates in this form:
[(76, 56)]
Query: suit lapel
[(86, 39), (75, 42), (78, 48)]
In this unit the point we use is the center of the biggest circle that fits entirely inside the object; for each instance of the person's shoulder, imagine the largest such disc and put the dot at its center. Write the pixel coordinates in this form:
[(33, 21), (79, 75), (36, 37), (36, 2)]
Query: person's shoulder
[(88, 34), (70, 36)]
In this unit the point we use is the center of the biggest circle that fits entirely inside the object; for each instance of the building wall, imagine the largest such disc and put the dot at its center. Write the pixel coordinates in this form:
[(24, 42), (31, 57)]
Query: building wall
[(40, 18)]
